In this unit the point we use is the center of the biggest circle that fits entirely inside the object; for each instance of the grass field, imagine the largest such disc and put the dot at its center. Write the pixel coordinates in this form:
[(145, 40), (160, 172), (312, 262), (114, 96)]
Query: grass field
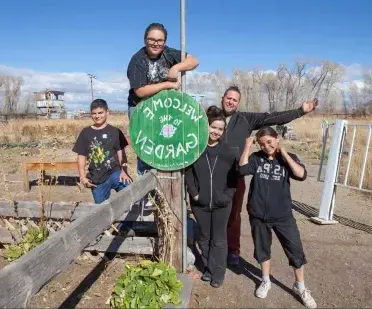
[(50, 135)]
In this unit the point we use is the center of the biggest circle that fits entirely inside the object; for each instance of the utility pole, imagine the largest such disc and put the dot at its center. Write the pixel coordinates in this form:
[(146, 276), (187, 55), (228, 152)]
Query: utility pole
[(91, 76)]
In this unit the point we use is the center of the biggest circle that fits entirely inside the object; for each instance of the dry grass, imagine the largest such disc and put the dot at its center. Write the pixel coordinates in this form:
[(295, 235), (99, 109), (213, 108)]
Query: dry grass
[(65, 130), (310, 133), (53, 133)]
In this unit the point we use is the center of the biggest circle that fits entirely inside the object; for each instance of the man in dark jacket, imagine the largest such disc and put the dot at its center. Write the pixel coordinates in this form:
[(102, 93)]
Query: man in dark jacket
[(240, 126)]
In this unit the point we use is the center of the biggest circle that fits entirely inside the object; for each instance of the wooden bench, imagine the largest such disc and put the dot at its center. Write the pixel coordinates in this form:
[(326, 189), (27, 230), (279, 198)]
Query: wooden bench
[(45, 166)]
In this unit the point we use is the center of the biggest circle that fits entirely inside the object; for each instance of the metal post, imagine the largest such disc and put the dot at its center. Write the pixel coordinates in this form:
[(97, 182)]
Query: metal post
[(91, 76), (325, 129), (183, 42), (329, 187), (183, 89), (91, 87)]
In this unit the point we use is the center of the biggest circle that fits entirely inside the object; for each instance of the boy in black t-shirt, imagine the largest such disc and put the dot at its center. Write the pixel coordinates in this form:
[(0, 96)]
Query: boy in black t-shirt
[(103, 146)]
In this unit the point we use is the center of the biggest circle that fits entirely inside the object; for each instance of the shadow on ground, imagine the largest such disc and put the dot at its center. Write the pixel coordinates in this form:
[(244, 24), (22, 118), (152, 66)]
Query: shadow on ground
[(310, 211)]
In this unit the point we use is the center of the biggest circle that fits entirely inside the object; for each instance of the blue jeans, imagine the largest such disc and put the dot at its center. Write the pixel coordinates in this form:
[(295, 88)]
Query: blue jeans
[(142, 167), (103, 191)]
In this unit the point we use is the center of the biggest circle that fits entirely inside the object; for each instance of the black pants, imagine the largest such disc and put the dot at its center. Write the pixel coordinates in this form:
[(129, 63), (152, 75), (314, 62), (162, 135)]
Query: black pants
[(288, 235), (213, 238)]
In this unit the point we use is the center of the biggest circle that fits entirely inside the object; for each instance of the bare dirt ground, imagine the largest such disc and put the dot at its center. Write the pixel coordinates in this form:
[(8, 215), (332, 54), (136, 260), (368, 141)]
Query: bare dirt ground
[(339, 256)]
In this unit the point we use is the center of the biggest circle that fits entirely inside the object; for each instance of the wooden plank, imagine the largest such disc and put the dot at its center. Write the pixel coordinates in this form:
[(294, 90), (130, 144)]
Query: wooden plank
[(120, 244), (47, 166), (134, 228), (60, 210), (6, 236), (24, 277), (26, 182), (43, 166)]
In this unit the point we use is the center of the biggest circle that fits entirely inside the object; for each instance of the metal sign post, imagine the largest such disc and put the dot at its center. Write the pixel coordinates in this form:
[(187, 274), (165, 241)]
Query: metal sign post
[(183, 89)]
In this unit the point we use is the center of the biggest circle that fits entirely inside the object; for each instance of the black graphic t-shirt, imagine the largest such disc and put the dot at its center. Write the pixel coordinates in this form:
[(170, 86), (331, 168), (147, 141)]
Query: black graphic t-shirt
[(143, 71), (100, 147)]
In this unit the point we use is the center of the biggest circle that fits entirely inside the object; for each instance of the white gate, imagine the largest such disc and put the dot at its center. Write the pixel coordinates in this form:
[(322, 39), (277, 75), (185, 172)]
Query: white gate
[(340, 130)]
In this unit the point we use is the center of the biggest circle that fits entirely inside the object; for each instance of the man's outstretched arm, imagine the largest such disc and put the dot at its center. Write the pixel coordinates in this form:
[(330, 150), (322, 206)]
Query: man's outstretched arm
[(260, 120)]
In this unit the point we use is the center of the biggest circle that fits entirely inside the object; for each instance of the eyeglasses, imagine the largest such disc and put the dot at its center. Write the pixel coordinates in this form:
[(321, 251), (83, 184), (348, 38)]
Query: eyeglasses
[(154, 41)]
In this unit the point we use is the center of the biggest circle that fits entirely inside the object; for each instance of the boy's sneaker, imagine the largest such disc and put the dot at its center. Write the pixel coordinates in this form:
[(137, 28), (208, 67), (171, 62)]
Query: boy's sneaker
[(206, 276), (305, 296), (233, 259), (263, 289), (216, 284)]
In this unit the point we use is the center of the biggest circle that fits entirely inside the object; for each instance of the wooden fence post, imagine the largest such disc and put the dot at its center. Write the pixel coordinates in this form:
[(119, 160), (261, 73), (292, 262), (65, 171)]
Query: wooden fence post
[(171, 183)]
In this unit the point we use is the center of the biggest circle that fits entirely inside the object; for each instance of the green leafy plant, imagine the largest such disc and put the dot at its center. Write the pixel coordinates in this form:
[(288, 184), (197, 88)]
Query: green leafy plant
[(33, 237), (146, 285)]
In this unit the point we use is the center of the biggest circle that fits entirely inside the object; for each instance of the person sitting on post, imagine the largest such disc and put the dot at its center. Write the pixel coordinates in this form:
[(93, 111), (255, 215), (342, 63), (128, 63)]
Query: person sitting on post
[(153, 68), (102, 145)]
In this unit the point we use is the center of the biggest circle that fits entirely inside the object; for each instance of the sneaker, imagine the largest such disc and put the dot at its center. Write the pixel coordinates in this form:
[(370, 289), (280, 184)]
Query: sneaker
[(216, 284), (233, 259), (206, 276), (263, 289), (305, 296)]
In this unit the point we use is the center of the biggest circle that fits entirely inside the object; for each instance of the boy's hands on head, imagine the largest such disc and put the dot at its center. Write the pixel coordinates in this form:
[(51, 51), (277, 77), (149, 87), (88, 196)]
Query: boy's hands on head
[(282, 150), (250, 141)]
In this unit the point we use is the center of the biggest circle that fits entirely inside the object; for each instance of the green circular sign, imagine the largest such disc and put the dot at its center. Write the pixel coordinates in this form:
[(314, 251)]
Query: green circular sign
[(169, 130)]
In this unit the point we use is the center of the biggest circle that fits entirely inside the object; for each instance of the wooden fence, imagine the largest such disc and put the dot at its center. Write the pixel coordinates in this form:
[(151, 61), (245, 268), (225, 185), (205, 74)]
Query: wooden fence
[(26, 276)]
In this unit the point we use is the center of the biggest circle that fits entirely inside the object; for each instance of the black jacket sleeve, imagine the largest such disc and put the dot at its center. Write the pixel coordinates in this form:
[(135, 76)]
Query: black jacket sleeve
[(297, 160), (191, 186), (233, 172), (137, 73), (249, 168), (260, 120)]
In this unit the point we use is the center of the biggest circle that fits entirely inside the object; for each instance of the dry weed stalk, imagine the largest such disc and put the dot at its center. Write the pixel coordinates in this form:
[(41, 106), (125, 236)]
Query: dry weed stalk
[(163, 216), (9, 198)]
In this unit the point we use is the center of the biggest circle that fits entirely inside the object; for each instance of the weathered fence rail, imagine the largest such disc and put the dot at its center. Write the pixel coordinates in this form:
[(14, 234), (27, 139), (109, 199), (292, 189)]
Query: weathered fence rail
[(26, 276), (56, 211)]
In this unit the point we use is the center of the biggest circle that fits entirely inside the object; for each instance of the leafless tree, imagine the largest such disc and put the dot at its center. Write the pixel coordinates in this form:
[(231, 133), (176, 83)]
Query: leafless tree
[(11, 86), (295, 84), (273, 87), (367, 89), (322, 78), (240, 78), (344, 101), (25, 105), (356, 100), (220, 83)]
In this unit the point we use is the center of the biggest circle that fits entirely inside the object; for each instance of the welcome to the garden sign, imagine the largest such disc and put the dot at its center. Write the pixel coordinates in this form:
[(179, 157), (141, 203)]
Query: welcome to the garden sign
[(169, 130)]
